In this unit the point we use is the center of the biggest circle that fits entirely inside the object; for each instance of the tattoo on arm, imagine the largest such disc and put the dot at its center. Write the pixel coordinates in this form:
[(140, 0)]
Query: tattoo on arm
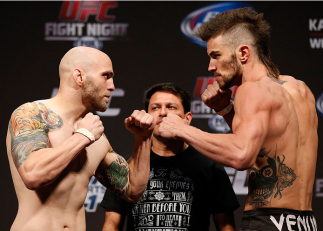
[(29, 126), (116, 175)]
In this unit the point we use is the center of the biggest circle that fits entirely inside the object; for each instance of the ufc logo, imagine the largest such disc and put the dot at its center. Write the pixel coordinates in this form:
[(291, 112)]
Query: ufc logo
[(80, 11)]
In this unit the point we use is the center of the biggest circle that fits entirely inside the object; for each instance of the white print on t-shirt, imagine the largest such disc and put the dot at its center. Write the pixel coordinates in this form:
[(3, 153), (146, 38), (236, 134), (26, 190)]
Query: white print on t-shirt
[(166, 204)]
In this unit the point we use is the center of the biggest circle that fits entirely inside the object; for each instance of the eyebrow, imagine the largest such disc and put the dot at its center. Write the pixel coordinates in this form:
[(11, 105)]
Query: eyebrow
[(213, 52), (158, 103)]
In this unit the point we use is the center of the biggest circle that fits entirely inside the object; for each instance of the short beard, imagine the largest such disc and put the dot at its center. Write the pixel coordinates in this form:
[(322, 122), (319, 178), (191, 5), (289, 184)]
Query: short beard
[(91, 98), (233, 63)]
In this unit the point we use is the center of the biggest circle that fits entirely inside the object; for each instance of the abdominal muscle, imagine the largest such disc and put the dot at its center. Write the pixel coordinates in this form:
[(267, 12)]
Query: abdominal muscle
[(58, 206), (49, 219)]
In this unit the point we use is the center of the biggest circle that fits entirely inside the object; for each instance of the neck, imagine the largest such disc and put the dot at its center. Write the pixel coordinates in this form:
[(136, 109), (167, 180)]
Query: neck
[(68, 105), (168, 147), (253, 71)]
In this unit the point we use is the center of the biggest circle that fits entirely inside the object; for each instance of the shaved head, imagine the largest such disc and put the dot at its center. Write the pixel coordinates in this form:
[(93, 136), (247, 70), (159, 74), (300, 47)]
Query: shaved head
[(84, 58), (86, 75)]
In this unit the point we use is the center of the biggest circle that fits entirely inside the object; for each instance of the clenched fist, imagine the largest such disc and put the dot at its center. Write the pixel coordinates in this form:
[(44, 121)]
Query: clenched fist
[(140, 123), (93, 124), (216, 98), (171, 126)]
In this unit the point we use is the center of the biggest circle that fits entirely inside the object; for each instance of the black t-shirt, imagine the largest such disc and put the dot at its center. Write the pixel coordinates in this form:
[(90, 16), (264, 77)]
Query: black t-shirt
[(181, 194)]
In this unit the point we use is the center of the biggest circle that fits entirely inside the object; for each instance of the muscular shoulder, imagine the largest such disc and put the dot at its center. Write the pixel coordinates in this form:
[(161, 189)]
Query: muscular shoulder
[(22, 116), (297, 89), (254, 90), (303, 101), (33, 116), (28, 128), (253, 97)]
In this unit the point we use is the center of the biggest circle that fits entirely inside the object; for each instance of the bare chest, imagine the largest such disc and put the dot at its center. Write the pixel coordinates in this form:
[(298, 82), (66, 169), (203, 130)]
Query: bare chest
[(88, 159)]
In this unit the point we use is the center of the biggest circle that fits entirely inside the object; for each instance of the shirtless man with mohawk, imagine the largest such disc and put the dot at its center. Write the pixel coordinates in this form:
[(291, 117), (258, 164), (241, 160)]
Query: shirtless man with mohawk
[(273, 121)]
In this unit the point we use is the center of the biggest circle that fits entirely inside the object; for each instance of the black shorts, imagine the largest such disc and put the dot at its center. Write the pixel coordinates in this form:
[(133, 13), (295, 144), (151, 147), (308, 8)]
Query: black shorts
[(273, 219)]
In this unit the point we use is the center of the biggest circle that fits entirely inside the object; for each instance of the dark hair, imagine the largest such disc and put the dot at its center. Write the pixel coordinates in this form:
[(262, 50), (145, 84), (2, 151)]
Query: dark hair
[(171, 88), (240, 25)]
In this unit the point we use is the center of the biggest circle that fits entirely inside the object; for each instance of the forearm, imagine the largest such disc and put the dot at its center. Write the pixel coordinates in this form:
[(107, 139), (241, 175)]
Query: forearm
[(127, 179), (225, 149), (224, 221), (113, 221), (229, 118), (43, 166), (139, 167), (134, 176), (109, 227)]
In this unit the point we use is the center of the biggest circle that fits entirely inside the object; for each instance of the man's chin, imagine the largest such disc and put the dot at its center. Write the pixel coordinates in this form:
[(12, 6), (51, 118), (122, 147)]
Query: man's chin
[(225, 86), (101, 108)]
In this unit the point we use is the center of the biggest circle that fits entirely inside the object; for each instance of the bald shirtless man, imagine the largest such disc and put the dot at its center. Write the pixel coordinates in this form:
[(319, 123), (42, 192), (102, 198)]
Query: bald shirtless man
[(54, 147), (274, 123)]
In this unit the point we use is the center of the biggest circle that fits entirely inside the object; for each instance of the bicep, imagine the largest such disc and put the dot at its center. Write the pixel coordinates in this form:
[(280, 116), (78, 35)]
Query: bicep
[(113, 221), (27, 133), (251, 120)]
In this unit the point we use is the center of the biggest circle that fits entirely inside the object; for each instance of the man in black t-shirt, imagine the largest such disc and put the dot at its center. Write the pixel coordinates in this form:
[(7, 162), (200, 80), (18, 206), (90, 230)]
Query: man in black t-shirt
[(184, 189)]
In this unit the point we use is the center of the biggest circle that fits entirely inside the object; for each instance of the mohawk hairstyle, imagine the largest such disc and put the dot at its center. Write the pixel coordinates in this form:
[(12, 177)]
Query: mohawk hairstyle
[(238, 26)]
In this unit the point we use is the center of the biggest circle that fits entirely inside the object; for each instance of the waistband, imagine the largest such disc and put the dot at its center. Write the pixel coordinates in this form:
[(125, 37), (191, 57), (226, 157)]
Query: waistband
[(273, 219), (277, 211)]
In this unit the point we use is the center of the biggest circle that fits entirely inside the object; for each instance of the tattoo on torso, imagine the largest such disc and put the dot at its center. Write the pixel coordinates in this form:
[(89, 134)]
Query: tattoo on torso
[(29, 126), (281, 82), (269, 181)]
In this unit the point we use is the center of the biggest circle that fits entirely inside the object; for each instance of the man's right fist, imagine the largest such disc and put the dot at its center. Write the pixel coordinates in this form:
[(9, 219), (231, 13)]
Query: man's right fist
[(216, 98), (93, 124), (140, 123)]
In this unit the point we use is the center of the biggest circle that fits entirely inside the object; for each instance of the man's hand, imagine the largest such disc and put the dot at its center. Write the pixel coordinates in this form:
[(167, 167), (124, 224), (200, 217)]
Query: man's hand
[(140, 123), (93, 124), (216, 98), (171, 125)]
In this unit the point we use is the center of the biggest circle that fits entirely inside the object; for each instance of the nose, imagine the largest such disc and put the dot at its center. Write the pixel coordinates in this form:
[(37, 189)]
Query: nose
[(111, 86), (212, 66), (163, 112)]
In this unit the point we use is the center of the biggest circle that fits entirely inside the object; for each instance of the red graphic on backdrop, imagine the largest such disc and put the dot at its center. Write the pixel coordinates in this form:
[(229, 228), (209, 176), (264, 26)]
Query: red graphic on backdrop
[(80, 11), (201, 84)]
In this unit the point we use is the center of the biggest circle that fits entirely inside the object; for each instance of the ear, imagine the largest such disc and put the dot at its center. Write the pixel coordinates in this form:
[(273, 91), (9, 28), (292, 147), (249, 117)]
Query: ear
[(188, 117), (244, 53), (78, 77)]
